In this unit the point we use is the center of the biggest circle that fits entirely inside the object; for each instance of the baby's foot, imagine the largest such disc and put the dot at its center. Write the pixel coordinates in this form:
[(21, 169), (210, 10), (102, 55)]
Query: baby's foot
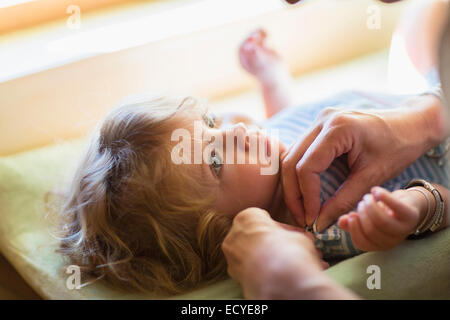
[(258, 59)]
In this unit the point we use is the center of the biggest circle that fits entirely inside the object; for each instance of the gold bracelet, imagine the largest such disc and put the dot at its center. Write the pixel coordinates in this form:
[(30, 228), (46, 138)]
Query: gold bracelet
[(435, 220), (427, 216)]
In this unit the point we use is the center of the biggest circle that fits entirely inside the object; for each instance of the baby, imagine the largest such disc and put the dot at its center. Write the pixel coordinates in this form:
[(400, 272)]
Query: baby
[(161, 180)]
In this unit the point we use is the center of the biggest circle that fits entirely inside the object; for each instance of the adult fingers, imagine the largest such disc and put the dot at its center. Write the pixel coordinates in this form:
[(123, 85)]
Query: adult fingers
[(345, 198), (329, 145), (253, 213), (301, 183), (247, 225), (247, 219), (291, 192), (290, 227), (328, 139)]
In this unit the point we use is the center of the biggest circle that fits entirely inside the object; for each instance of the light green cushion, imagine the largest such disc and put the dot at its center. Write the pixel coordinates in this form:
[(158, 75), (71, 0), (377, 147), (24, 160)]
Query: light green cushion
[(415, 270)]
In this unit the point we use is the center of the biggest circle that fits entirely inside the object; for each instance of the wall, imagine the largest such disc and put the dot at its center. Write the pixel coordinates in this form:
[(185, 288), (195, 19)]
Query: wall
[(65, 102)]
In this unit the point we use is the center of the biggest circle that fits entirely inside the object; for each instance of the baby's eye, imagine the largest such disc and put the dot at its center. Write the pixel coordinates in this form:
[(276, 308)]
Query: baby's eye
[(210, 120), (216, 163)]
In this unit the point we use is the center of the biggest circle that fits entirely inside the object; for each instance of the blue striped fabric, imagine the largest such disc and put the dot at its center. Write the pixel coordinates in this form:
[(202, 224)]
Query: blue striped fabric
[(334, 242)]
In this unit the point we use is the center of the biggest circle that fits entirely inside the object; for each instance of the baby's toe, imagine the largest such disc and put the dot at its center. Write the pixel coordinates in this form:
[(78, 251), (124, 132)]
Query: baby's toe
[(257, 36)]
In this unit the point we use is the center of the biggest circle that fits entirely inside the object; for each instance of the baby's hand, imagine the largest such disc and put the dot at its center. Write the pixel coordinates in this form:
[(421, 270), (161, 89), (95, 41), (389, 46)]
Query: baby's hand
[(382, 220), (257, 58)]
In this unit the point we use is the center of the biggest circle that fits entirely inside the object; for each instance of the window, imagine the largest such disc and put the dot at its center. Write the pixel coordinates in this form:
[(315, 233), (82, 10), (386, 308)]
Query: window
[(17, 14)]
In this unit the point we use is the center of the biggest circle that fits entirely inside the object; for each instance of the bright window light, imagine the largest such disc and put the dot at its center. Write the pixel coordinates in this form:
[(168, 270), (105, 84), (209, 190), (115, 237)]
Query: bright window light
[(403, 77), (200, 15), (62, 45), (11, 3)]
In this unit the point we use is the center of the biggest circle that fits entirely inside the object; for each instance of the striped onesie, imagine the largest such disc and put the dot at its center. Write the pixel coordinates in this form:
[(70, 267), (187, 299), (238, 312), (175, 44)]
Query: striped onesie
[(292, 122)]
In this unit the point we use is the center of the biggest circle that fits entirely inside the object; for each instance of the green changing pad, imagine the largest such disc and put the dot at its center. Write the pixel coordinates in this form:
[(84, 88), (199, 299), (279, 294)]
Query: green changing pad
[(417, 269)]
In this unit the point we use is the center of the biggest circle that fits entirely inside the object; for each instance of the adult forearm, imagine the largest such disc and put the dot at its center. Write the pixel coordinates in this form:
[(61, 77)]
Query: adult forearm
[(435, 115), (316, 287), (296, 281), (425, 118), (323, 288)]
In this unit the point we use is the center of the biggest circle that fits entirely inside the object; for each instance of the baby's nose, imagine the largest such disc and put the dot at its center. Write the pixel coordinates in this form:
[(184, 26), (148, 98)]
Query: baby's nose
[(240, 131), (240, 126)]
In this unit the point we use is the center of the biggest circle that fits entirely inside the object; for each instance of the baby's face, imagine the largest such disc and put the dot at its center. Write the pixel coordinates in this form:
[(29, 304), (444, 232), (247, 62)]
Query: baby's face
[(241, 165)]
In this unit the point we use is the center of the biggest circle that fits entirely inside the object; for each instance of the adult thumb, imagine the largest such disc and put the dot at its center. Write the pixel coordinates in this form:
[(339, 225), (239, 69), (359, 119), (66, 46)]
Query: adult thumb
[(344, 199)]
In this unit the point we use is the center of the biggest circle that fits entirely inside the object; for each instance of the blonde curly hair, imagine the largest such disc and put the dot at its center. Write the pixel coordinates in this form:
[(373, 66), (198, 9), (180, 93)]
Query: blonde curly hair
[(133, 218)]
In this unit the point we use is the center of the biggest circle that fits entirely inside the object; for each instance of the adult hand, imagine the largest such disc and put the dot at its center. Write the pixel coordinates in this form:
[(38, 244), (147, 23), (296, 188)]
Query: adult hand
[(275, 261), (379, 144)]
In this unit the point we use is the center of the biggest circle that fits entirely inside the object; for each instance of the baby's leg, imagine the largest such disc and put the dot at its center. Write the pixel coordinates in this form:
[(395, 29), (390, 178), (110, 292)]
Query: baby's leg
[(273, 76)]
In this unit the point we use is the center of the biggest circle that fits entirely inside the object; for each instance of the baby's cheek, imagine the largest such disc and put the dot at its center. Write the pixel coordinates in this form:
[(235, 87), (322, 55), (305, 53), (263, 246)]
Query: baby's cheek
[(244, 186), (262, 187)]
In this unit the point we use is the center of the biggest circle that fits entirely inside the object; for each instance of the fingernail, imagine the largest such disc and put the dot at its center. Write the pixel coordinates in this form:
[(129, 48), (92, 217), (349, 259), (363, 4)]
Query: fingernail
[(309, 221), (390, 212), (318, 227), (361, 205), (376, 191)]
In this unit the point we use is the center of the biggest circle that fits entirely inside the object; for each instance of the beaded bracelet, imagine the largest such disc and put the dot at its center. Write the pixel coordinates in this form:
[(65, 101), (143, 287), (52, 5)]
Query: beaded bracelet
[(427, 216), (435, 220)]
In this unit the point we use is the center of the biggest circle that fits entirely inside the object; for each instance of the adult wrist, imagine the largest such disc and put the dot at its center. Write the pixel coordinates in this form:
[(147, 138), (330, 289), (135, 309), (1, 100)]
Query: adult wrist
[(417, 123), (321, 287), (272, 276), (277, 278), (435, 124), (301, 282)]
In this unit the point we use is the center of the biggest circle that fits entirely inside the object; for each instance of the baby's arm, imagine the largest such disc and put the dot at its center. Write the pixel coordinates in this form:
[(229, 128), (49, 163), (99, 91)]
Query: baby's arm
[(267, 67), (384, 219)]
